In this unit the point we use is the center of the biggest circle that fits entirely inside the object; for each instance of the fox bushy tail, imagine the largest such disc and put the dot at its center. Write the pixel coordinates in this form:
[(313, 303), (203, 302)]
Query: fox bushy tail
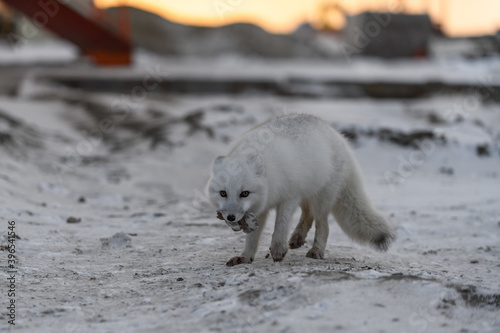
[(357, 217)]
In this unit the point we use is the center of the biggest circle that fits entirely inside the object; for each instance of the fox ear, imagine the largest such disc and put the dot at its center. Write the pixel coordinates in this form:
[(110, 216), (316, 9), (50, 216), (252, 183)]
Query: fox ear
[(217, 163), (256, 162)]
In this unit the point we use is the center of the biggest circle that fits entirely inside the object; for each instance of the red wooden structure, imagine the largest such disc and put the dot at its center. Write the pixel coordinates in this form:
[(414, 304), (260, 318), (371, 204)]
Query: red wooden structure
[(94, 35)]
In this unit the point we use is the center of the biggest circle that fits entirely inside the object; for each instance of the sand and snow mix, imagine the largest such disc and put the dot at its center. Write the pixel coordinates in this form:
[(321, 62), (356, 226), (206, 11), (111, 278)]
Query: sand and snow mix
[(116, 235)]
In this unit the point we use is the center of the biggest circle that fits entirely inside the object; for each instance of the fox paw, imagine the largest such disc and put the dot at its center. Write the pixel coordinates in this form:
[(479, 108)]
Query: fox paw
[(238, 260), (296, 241), (382, 241), (278, 251), (315, 253)]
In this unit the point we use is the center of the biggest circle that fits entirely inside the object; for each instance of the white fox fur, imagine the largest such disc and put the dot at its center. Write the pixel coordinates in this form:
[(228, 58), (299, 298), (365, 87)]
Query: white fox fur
[(290, 161)]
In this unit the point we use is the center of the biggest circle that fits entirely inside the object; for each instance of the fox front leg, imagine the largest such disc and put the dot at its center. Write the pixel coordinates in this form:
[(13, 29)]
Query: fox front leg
[(251, 244), (284, 213)]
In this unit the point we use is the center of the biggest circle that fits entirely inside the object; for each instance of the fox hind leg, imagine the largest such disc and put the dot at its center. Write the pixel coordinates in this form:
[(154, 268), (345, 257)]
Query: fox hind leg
[(320, 238), (298, 237), (320, 207)]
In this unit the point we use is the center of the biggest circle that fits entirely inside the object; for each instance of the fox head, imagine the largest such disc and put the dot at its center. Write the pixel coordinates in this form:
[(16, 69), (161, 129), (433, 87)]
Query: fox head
[(237, 186)]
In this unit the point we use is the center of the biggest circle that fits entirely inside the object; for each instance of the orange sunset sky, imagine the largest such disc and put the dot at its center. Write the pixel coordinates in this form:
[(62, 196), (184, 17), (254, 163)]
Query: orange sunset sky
[(457, 17)]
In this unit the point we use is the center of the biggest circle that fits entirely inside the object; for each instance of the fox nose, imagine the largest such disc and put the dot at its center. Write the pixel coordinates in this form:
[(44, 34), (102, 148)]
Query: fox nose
[(230, 218)]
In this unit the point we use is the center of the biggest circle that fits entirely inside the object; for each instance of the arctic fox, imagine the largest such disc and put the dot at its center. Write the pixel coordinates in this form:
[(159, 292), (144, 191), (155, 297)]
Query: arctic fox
[(286, 162)]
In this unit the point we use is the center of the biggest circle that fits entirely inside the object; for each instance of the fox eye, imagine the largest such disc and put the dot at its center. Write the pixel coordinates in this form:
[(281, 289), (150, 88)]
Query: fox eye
[(244, 194), (223, 194)]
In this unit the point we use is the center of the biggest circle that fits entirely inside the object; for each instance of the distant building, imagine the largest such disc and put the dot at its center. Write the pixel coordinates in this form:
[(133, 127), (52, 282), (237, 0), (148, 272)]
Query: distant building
[(387, 35)]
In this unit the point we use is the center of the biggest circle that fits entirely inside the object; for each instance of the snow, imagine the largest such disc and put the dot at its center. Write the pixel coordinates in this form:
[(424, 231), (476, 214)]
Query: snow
[(167, 271), (30, 52), (455, 70)]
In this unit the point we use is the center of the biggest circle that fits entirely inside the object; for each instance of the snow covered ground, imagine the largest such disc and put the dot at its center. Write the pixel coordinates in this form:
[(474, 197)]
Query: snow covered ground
[(144, 251)]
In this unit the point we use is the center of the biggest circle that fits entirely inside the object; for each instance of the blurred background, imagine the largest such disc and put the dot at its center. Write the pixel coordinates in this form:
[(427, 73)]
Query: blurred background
[(108, 31)]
